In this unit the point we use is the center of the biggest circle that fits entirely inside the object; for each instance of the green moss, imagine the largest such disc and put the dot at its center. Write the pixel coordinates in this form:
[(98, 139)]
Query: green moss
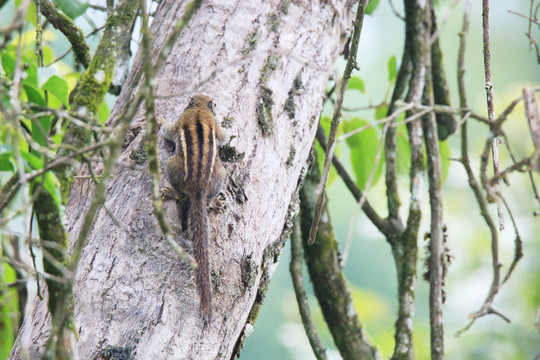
[(251, 41), (227, 122), (228, 153), (284, 6), (249, 272), (72, 32), (290, 159), (290, 106), (264, 107), (116, 353), (51, 228), (97, 78), (273, 22), (269, 66), (264, 111), (139, 156)]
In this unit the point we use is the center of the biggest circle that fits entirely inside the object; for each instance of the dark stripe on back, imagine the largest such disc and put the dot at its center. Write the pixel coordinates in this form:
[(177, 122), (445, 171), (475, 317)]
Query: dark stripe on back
[(189, 146), (200, 139), (211, 149)]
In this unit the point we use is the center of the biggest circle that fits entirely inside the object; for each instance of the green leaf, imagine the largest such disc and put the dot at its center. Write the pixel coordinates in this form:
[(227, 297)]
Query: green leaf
[(380, 112), (446, 153), (392, 68), (30, 15), (6, 158), (364, 147), (356, 83), (6, 163), (29, 75), (44, 73), (8, 63), (30, 66), (48, 54), (8, 308), (34, 95), (372, 6), (33, 162), (40, 129), (103, 113), (59, 88), (52, 185), (72, 8)]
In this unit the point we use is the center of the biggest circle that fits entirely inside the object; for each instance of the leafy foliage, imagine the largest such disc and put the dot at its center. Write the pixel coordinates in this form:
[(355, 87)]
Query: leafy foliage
[(30, 130), (363, 147), (9, 308), (72, 8)]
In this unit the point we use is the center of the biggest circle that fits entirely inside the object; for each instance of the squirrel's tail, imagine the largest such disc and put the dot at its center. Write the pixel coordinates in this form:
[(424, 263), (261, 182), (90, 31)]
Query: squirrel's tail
[(199, 233)]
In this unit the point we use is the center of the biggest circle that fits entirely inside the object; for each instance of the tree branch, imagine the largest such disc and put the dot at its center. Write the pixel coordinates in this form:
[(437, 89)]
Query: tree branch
[(372, 215), (72, 32), (349, 67), (491, 105), (295, 268), (329, 283), (436, 238)]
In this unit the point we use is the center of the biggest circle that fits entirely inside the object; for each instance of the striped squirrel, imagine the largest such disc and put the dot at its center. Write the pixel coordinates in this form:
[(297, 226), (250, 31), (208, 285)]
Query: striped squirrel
[(195, 171)]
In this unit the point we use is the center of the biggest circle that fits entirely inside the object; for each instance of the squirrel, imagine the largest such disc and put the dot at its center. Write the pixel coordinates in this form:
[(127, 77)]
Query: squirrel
[(196, 172)]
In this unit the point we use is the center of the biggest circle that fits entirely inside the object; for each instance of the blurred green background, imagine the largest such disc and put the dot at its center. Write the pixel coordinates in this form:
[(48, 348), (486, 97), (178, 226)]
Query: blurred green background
[(278, 332)]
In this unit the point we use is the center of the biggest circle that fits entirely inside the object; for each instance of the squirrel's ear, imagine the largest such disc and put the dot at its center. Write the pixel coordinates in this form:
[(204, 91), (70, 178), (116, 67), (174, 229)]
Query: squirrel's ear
[(191, 102), (211, 107)]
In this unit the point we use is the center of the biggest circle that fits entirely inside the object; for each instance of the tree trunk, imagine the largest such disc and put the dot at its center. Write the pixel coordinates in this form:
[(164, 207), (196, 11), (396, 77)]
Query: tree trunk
[(266, 65)]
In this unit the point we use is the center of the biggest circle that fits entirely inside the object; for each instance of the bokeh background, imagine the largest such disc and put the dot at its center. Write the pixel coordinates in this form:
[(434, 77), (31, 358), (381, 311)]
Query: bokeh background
[(370, 270), (278, 332)]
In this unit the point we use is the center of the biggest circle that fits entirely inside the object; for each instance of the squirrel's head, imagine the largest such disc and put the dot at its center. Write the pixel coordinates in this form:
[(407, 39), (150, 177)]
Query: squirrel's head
[(201, 102)]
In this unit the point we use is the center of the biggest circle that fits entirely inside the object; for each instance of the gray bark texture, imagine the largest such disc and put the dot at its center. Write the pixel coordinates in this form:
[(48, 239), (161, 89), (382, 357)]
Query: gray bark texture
[(266, 65)]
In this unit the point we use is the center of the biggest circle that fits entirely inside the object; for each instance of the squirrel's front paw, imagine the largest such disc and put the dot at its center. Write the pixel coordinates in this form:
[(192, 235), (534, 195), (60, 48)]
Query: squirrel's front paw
[(219, 204)]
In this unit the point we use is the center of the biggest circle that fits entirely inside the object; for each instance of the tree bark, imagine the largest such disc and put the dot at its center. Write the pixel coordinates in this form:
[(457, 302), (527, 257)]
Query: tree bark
[(266, 66)]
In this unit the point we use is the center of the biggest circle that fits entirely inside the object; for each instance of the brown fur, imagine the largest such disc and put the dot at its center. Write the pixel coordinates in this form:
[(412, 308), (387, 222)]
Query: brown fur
[(196, 171)]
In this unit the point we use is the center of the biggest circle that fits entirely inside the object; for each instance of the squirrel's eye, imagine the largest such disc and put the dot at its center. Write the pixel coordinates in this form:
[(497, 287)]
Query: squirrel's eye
[(211, 106), (191, 102)]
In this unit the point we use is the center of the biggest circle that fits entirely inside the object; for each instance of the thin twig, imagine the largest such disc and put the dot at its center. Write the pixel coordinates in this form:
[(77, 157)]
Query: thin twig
[(151, 140), (372, 215), (16, 24), (518, 243), (473, 183), (395, 11), (349, 67), (363, 198), (299, 289), (389, 118), (491, 105), (443, 21)]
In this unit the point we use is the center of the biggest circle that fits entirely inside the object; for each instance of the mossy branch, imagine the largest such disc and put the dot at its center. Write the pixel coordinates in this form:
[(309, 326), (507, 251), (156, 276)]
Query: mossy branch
[(404, 245), (329, 283), (90, 92), (295, 268), (72, 32), (446, 123), (60, 302), (436, 235)]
